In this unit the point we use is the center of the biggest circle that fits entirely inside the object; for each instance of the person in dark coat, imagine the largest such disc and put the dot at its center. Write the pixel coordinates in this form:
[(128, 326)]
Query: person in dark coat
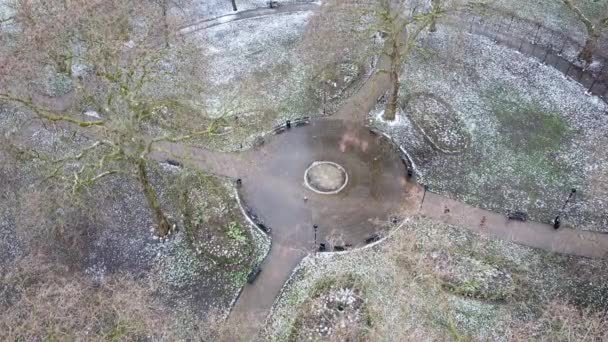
[(556, 222)]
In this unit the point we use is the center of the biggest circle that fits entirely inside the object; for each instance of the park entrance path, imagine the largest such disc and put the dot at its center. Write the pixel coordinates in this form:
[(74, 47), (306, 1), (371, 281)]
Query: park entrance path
[(247, 14), (358, 106), (226, 164), (252, 307), (534, 234)]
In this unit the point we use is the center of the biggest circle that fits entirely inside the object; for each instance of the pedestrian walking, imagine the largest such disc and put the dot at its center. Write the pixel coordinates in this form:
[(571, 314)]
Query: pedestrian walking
[(556, 222)]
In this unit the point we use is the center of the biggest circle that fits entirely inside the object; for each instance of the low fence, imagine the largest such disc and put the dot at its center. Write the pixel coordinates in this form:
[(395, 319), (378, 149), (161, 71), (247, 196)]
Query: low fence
[(548, 46), (278, 129)]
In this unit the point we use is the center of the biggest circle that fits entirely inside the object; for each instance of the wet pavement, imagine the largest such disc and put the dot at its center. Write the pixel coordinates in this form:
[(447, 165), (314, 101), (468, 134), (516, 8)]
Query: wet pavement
[(275, 189), (273, 185), (565, 240)]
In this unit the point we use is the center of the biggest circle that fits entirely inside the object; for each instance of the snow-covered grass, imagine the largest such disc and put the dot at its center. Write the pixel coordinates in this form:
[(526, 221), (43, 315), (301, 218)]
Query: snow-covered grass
[(206, 9), (259, 76), (240, 48), (559, 24), (431, 281), (554, 14), (105, 231), (378, 115), (534, 134), (255, 75)]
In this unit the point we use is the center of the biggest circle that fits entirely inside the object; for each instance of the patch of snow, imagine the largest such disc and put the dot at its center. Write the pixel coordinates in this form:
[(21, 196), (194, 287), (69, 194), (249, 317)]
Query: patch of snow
[(92, 114), (130, 44), (378, 115), (208, 9), (596, 66), (79, 70), (238, 48)]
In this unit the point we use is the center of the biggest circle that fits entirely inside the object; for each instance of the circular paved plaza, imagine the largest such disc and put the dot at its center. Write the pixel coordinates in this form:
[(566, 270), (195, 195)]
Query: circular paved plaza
[(337, 176)]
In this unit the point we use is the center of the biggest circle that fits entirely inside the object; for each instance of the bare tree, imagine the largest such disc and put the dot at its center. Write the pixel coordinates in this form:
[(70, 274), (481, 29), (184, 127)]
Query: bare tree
[(165, 7), (339, 30), (402, 22), (341, 25), (594, 30), (135, 91)]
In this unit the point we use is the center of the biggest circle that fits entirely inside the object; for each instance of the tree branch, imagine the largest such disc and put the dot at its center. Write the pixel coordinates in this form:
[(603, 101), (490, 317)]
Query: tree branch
[(88, 181), (591, 29), (2, 21), (47, 115)]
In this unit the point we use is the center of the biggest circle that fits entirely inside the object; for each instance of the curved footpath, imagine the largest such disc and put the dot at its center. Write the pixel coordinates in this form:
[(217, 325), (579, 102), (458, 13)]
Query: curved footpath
[(247, 14), (223, 164), (256, 300), (534, 234)]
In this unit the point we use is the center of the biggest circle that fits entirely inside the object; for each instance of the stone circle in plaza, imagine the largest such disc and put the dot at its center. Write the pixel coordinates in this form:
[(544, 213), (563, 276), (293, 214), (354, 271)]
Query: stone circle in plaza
[(325, 177)]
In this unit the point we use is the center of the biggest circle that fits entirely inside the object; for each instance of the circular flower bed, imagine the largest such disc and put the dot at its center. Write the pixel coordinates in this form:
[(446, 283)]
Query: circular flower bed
[(325, 177), (438, 122)]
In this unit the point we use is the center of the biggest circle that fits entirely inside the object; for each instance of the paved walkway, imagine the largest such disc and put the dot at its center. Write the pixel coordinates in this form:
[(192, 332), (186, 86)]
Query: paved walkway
[(217, 163), (255, 301), (377, 189), (247, 14), (564, 240), (358, 106)]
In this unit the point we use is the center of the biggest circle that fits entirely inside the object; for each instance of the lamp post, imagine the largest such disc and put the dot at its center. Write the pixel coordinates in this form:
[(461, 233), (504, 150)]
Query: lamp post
[(557, 221)]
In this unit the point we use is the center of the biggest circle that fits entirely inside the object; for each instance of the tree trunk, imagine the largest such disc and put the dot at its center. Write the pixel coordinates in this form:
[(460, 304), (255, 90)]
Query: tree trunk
[(165, 9), (162, 224), (390, 111), (593, 33), (433, 26), (586, 53), (435, 7), (234, 5)]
